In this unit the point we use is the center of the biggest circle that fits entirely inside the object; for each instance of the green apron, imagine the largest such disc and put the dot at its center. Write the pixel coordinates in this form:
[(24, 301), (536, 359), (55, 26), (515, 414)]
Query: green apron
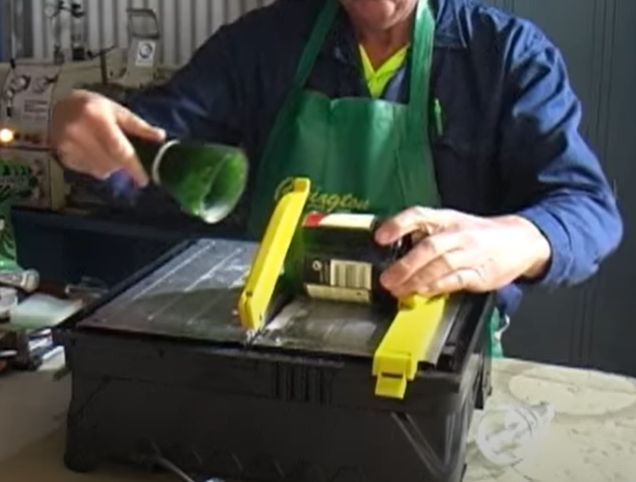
[(361, 154)]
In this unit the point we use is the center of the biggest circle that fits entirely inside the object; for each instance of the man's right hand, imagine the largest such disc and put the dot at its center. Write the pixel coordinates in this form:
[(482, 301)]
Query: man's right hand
[(89, 131)]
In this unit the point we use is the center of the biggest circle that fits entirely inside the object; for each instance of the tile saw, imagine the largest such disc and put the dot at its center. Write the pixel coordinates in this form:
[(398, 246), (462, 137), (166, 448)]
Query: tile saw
[(278, 361)]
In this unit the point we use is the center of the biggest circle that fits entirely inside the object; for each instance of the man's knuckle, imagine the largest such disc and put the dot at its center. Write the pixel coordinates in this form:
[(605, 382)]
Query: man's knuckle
[(404, 267), (420, 210), (470, 237), (92, 108), (449, 262), (432, 245), (119, 150), (481, 272), (116, 151), (68, 133), (461, 280), (417, 257), (436, 286), (418, 279)]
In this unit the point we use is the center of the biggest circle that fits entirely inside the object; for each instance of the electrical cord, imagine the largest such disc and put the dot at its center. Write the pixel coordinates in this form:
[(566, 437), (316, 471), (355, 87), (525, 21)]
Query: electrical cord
[(176, 470)]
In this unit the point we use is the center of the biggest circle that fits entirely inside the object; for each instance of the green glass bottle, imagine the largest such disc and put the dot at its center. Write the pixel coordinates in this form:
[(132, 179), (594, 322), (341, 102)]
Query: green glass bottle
[(207, 180)]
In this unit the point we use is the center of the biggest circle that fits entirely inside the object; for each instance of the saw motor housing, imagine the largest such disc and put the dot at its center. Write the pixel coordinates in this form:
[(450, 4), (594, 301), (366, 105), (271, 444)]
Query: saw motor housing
[(334, 257)]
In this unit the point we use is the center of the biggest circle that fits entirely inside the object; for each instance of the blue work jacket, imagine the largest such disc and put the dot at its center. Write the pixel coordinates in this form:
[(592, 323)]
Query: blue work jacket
[(510, 139)]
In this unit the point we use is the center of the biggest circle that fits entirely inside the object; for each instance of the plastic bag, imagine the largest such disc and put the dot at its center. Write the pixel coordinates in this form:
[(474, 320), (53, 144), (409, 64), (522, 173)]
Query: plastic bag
[(507, 433)]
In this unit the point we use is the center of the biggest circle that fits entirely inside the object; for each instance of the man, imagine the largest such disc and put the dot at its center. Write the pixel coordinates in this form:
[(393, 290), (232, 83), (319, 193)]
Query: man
[(453, 118)]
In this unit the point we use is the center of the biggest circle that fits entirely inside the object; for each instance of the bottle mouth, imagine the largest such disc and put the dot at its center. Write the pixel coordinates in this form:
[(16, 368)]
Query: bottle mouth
[(225, 189), (208, 181)]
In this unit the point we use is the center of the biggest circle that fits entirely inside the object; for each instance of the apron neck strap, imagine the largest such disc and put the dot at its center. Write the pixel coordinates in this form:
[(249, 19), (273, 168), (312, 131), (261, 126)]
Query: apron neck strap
[(421, 56), (314, 45)]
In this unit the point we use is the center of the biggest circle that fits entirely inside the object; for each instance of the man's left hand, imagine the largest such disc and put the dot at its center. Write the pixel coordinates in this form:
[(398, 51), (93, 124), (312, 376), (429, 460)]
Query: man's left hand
[(461, 252)]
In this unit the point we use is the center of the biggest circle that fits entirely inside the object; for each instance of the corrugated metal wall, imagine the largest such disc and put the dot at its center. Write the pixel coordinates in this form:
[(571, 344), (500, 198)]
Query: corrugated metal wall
[(185, 24), (15, 31)]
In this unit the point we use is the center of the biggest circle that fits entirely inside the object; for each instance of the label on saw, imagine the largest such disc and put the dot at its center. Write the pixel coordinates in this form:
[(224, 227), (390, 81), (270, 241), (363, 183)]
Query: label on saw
[(321, 292), (337, 279)]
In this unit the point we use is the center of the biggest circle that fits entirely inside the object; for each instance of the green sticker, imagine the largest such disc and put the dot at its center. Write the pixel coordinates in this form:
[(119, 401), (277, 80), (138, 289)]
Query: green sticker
[(16, 182)]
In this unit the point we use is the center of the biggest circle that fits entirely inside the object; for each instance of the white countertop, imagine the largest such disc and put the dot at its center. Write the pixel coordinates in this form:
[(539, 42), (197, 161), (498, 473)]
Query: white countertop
[(592, 437)]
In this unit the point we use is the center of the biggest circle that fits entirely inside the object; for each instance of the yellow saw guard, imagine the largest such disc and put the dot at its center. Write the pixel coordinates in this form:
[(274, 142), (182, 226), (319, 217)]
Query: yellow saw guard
[(270, 257), (406, 343)]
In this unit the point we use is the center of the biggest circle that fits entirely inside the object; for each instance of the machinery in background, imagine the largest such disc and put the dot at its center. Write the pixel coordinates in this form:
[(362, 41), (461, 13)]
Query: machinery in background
[(68, 16), (29, 174), (30, 88), (142, 59)]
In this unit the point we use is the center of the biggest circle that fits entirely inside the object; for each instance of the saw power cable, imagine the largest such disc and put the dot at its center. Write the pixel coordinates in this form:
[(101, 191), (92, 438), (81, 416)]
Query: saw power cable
[(176, 470)]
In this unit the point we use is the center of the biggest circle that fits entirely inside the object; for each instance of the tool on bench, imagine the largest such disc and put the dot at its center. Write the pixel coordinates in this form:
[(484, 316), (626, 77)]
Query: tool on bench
[(280, 361), (334, 257)]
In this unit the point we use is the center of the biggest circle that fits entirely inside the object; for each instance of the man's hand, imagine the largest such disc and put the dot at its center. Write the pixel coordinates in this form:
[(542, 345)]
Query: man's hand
[(89, 135), (459, 252)]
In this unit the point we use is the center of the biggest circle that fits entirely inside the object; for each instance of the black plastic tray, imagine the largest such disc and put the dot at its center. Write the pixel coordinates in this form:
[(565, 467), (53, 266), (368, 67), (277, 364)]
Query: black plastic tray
[(262, 413)]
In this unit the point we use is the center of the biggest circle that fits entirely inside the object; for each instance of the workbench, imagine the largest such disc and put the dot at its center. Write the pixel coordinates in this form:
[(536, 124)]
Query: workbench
[(592, 437)]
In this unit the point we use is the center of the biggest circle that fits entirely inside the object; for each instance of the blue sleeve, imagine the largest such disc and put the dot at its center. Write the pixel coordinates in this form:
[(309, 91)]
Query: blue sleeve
[(202, 100), (227, 91), (219, 94), (552, 177), (208, 98)]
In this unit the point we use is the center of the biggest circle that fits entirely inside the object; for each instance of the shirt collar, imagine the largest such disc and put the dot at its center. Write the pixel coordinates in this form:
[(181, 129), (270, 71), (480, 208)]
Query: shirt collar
[(341, 43)]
